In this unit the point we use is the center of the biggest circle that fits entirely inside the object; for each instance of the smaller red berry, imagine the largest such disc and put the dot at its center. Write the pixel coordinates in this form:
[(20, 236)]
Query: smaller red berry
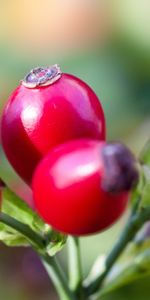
[(82, 187)]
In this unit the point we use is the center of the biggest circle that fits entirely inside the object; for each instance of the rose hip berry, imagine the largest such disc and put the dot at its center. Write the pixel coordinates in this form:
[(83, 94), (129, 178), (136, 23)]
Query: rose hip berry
[(74, 190), (48, 108)]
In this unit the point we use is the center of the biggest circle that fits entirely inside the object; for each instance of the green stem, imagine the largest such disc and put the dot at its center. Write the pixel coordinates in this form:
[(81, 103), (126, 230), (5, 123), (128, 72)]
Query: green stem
[(57, 276), (38, 242), (75, 269), (133, 225), (24, 229)]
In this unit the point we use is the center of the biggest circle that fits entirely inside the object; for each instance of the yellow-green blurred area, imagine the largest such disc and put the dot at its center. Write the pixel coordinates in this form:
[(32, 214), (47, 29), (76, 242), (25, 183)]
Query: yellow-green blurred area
[(107, 44)]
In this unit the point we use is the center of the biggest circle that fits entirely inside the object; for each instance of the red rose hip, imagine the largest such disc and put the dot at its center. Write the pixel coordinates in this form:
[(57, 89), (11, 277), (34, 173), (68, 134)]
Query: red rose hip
[(82, 187), (47, 109)]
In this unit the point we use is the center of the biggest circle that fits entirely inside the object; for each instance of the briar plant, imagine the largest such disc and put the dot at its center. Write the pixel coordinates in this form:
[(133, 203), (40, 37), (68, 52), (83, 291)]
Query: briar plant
[(53, 134)]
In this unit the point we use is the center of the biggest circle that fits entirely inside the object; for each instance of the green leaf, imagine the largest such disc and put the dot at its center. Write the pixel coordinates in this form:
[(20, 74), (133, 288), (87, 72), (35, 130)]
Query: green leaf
[(137, 191), (11, 237), (56, 242), (145, 201), (142, 190), (18, 209), (145, 154), (15, 207), (140, 243), (139, 247), (138, 268)]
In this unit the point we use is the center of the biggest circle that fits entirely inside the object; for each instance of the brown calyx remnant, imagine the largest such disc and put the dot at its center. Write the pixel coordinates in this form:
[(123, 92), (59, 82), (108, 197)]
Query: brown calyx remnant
[(120, 170)]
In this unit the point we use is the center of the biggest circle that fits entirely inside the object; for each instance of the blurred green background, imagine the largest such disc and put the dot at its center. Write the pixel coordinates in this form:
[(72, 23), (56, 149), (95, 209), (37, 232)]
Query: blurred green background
[(107, 44)]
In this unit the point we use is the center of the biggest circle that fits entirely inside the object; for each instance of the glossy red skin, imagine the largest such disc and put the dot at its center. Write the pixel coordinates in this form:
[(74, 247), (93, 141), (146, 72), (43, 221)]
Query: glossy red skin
[(67, 189), (35, 120)]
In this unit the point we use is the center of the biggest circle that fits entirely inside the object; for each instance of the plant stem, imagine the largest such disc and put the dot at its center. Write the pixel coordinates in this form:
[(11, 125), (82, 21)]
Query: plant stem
[(38, 243), (75, 269), (133, 225), (57, 276), (24, 229)]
